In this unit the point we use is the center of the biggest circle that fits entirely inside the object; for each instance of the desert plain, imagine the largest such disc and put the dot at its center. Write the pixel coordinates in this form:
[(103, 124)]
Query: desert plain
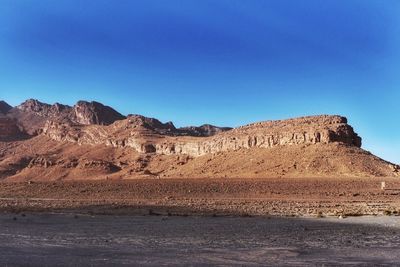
[(86, 185)]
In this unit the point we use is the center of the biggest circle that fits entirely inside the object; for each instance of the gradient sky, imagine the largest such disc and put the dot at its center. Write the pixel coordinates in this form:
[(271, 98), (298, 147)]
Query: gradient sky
[(211, 61)]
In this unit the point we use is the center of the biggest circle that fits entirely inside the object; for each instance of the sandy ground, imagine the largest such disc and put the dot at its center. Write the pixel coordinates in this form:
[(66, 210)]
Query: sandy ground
[(283, 196), (42, 239)]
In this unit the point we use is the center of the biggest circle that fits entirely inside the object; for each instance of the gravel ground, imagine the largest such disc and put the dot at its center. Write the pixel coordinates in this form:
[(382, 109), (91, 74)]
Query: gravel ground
[(45, 239), (278, 196)]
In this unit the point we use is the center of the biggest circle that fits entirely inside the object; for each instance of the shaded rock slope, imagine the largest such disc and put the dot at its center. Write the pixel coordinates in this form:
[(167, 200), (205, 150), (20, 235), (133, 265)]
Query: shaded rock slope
[(4, 107), (93, 141)]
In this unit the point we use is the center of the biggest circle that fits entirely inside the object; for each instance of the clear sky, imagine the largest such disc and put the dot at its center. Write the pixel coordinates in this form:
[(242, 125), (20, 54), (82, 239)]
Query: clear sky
[(225, 62)]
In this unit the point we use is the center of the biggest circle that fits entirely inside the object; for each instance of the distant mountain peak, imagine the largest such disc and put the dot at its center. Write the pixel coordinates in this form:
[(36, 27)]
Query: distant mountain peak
[(4, 107), (95, 113), (32, 114), (203, 130)]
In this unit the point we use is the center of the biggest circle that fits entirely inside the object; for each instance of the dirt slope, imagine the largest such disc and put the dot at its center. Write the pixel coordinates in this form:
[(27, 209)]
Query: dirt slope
[(40, 158)]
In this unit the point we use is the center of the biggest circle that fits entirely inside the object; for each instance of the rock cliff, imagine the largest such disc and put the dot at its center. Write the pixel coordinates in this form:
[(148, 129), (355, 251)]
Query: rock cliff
[(300, 131), (88, 113), (136, 132), (92, 141)]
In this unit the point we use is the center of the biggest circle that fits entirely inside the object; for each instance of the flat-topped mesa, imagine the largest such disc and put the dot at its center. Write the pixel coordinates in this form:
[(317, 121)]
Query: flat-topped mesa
[(315, 129), (146, 135), (293, 122), (301, 131)]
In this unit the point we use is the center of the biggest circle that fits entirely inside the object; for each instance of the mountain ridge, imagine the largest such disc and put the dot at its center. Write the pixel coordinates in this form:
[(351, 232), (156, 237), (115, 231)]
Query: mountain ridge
[(39, 141), (32, 115)]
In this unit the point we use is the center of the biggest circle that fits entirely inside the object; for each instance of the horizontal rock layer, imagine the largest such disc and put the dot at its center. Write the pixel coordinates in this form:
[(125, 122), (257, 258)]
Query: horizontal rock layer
[(126, 133)]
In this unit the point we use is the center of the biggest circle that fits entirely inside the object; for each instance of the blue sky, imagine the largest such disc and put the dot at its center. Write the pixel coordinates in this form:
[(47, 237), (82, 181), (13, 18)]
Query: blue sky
[(224, 62)]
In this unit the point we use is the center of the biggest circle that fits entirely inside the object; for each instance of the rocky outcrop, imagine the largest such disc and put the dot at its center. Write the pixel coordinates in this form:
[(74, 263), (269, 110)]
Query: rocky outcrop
[(88, 113), (148, 136), (38, 108), (9, 130), (46, 162), (300, 131), (203, 130), (33, 114), (151, 124), (169, 129)]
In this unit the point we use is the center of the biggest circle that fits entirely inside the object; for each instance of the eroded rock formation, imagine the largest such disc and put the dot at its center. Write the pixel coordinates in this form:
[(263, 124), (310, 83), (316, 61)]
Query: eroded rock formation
[(88, 113), (92, 141), (33, 114), (307, 130), (203, 130), (137, 133)]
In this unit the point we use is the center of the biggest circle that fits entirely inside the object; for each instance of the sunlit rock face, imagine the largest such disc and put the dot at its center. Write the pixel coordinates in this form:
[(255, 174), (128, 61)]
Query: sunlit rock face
[(147, 135), (88, 113), (32, 114)]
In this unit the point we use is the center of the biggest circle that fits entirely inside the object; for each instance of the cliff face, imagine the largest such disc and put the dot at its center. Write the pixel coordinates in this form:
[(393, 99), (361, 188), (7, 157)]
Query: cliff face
[(88, 113), (91, 141), (301, 131), (145, 139)]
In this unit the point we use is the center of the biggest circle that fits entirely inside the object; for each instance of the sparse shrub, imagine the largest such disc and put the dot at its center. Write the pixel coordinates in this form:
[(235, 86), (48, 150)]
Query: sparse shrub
[(387, 212)]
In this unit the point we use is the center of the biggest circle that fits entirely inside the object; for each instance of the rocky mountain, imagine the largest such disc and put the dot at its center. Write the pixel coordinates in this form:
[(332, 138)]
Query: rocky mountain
[(88, 113), (33, 114), (151, 136), (93, 141), (9, 130), (169, 129), (4, 107), (203, 130)]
